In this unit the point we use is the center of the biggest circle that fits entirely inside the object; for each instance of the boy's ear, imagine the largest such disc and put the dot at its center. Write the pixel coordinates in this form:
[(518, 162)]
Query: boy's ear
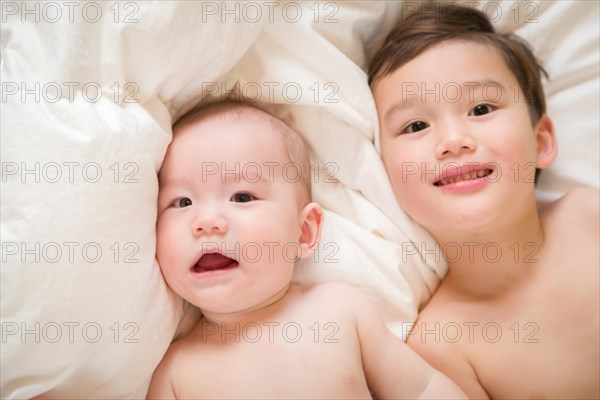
[(312, 222), (546, 142)]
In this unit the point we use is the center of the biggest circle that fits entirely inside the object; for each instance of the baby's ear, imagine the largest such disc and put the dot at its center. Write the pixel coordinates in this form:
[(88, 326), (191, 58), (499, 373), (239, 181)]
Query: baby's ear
[(546, 142), (311, 221)]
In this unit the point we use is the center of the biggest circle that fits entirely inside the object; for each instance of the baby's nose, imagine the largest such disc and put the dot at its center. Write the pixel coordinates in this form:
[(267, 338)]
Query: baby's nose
[(209, 222)]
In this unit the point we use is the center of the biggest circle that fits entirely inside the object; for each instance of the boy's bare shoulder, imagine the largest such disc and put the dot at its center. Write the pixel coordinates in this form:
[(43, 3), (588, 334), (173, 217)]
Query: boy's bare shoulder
[(571, 228), (443, 310), (580, 206), (431, 337)]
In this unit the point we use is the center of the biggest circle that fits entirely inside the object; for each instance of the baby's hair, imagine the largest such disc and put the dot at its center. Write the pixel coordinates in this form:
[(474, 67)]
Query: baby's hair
[(292, 143), (435, 23)]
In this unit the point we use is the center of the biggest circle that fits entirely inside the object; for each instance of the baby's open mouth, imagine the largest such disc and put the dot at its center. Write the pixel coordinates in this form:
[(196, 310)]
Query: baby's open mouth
[(212, 262), (481, 173)]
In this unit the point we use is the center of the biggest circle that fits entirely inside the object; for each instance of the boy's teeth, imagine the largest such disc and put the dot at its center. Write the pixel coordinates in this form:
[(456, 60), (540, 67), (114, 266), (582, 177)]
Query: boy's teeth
[(468, 176)]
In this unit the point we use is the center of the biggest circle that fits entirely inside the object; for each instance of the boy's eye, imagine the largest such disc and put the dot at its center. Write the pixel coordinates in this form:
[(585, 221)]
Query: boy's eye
[(415, 127), (242, 197), (182, 202), (481, 109)]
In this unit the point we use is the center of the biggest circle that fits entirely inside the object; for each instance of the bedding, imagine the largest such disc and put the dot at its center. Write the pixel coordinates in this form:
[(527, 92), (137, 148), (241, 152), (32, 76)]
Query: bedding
[(89, 93)]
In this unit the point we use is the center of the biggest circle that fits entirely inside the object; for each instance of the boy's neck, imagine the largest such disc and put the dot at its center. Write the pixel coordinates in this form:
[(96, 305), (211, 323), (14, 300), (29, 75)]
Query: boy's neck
[(492, 263)]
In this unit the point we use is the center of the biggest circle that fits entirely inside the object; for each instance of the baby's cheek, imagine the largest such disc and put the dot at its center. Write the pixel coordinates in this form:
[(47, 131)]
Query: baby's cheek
[(164, 227), (163, 244)]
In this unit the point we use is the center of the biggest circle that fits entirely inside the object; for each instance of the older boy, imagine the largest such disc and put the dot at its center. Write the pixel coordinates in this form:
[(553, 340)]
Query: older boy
[(234, 216), (463, 129)]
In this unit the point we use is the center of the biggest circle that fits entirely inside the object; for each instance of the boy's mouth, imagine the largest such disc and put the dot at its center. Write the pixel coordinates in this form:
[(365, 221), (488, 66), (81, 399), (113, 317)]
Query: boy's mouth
[(213, 262), (448, 179)]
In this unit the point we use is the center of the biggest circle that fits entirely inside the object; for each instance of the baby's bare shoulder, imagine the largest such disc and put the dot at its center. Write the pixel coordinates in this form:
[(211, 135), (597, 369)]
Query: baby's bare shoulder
[(336, 293), (165, 374), (333, 289), (181, 349), (340, 301)]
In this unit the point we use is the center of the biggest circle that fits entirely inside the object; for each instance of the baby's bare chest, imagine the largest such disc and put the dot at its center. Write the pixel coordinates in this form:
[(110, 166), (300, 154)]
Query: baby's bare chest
[(285, 359)]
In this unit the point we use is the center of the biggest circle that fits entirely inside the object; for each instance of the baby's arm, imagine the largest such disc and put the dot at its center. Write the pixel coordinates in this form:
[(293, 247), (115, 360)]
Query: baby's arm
[(394, 370)]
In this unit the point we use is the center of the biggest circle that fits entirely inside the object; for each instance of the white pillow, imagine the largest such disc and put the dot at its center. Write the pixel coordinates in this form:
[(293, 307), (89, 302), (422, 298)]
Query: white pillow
[(77, 323)]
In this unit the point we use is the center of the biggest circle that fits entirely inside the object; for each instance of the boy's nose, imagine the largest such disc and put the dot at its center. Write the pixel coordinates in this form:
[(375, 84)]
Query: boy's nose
[(210, 222), (454, 142)]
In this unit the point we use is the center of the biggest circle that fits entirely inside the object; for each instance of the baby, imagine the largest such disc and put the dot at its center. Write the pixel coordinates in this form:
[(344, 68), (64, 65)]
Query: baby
[(463, 132), (234, 216)]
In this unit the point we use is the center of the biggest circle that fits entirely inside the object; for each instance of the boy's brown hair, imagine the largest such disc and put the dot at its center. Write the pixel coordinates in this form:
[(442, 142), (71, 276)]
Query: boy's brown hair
[(436, 23)]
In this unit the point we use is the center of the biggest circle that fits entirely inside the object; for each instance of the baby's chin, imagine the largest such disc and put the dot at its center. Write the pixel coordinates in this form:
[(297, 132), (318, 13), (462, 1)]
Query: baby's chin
[(215, 310)]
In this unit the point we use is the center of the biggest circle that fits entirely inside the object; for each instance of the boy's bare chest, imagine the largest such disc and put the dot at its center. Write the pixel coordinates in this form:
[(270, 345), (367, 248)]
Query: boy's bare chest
[(541, 342), (537, 355)]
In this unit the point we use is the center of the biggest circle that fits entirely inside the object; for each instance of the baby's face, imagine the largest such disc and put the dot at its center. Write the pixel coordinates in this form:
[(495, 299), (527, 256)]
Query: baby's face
[(456, 137), (229, 222)]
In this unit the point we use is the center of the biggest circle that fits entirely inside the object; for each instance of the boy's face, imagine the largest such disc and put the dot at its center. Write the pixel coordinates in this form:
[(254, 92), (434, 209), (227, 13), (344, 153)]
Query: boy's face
[(229, 222), (457, 139)]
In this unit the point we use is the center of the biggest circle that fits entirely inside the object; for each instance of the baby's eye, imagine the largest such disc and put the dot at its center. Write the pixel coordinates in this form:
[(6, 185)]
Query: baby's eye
[(415, 127), (242, 197), (182, 202), (481, 109)]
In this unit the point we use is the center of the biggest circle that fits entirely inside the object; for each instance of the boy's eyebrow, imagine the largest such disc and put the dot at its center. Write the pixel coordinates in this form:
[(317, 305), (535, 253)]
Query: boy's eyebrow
[(405, 101), (420, 96)]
